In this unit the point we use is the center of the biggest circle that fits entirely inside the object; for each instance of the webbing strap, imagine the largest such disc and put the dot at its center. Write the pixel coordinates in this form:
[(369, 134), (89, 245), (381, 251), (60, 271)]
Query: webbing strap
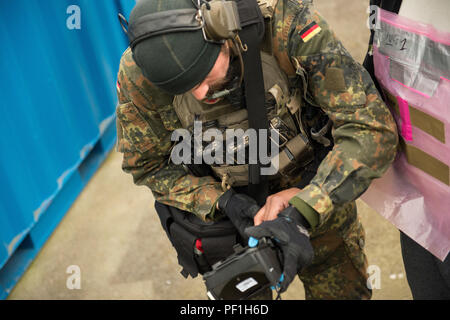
[(258, 187)]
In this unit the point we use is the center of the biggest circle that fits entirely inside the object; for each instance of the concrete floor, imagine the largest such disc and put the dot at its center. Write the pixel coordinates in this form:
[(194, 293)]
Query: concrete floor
[(114, 236)]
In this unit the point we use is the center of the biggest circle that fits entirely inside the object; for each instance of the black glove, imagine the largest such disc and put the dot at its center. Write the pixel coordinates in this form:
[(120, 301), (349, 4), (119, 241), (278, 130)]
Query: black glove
[(289, 232), (240, 209)]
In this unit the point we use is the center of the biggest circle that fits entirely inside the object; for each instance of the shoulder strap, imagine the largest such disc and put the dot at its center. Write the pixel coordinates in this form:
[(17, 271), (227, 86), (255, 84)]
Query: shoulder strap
[(258, 186)]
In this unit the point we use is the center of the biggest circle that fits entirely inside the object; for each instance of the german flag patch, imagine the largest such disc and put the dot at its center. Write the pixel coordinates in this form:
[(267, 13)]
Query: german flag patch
[(310, 31)]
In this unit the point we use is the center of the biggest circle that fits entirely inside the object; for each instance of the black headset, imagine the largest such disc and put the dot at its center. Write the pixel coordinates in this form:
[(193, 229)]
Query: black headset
[(219, 20)]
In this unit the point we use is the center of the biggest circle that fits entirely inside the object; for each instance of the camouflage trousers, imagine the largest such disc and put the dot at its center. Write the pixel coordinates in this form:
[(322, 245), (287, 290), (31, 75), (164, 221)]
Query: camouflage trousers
[(339, 268)]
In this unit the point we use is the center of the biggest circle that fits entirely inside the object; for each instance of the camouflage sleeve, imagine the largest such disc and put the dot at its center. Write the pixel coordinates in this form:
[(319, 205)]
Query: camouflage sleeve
[(364, 131), (145, 122)]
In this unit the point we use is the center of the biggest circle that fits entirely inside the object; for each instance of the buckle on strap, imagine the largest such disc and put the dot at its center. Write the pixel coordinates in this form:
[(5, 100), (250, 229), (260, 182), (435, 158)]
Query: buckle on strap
[(225, 185), (319, 136)]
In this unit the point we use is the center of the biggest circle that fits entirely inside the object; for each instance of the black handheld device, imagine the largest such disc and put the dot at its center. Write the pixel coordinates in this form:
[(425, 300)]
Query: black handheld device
[(245, 273)]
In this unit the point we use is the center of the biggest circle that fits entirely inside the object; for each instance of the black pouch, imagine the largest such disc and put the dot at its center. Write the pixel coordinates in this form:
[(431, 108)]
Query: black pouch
[(184, 228)]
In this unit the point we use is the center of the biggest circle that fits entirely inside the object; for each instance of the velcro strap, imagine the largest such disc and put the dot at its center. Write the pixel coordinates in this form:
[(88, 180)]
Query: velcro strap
[(427, 163), (249, 13), (418, 118)]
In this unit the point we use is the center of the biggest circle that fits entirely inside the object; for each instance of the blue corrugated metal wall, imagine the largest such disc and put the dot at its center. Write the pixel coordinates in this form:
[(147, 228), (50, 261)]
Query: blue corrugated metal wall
[(57, 102)]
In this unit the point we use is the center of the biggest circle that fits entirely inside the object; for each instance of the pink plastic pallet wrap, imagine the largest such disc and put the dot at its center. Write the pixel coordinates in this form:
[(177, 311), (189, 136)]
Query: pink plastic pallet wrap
[(412, 64)]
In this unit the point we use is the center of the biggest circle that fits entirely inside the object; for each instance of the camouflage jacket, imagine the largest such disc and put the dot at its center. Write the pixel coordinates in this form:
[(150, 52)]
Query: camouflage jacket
[(364, 132)]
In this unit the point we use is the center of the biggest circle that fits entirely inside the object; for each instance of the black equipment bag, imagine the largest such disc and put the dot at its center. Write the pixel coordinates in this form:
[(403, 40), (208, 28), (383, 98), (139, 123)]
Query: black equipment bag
[(184, 228)]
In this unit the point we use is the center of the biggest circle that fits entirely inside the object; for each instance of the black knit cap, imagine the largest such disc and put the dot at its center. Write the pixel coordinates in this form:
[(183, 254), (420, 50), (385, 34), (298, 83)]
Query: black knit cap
[(174, 62)]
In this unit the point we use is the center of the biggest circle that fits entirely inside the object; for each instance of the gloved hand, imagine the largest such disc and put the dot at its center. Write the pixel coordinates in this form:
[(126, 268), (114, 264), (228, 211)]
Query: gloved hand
[(240, 208), (288, 231)]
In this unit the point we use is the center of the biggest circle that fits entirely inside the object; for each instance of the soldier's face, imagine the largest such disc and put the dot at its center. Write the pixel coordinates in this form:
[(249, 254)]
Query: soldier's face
[(216, 78)]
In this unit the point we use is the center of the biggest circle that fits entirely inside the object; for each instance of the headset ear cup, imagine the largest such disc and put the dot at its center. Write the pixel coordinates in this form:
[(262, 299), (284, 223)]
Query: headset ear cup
[(221, 20)]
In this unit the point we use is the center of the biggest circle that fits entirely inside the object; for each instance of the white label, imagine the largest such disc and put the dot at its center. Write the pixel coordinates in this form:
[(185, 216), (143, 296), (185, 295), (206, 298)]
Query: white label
[(246, 284)]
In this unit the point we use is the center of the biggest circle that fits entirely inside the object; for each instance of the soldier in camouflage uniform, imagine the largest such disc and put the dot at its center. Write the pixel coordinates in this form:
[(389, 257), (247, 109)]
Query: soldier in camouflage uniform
[(330, 83)]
